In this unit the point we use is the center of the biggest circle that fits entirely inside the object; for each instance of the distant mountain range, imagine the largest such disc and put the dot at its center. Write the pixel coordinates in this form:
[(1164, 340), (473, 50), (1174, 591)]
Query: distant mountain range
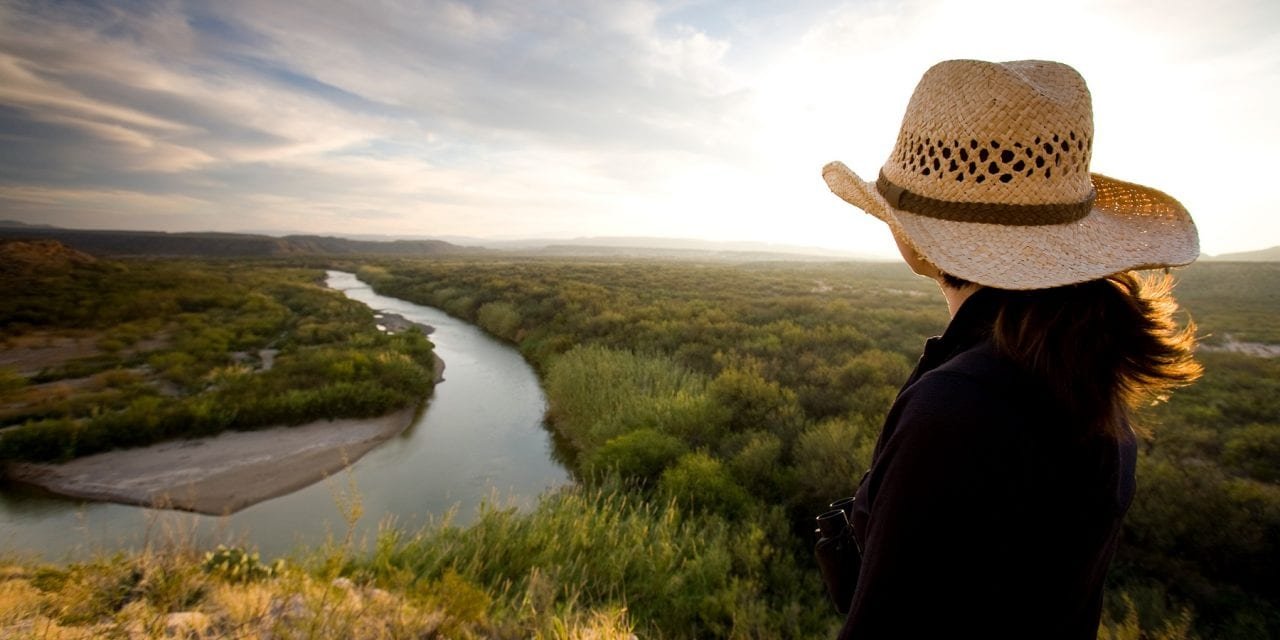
[(1261, 255), (217, 244), (158, 243), (247, 244)]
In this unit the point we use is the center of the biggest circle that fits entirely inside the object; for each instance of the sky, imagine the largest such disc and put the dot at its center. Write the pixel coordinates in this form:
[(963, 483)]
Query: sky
[(576, 118)]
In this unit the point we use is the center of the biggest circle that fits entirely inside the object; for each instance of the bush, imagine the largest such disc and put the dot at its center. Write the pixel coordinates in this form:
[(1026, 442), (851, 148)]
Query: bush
[(700, 482), (830, 459), (1254, 451), (641, 455), (11, 380), (499, 318)]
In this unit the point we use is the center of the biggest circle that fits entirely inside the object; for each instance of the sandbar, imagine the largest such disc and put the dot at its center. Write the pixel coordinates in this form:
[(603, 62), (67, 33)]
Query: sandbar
[(220, 474)]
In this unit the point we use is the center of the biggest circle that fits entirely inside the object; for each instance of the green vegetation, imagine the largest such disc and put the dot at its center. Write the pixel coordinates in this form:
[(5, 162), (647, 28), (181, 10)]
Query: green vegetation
[(709, 411), (750, 395), (173, 593), (122, 354)]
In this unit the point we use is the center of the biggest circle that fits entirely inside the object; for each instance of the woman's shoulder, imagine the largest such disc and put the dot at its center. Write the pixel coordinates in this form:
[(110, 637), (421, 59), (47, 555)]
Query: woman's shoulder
[(977, 394)]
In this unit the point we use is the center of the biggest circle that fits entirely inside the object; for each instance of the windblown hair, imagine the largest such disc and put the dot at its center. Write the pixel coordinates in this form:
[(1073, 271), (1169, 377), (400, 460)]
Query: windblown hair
[(1103, 347)]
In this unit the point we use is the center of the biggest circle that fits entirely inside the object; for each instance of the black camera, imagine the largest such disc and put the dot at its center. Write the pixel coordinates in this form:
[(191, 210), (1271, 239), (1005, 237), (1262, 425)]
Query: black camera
[(839, 557)]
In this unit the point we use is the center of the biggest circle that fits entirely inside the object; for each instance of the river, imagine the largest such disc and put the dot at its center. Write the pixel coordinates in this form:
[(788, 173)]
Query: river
[(481, 437)]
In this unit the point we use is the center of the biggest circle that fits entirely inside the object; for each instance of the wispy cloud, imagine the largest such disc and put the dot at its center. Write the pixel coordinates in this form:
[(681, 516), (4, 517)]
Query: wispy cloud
[(349, 107), (503, 117)]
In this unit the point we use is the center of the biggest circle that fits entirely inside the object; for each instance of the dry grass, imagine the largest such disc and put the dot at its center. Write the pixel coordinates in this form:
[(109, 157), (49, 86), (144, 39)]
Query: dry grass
[(172, 589), (173, 596)]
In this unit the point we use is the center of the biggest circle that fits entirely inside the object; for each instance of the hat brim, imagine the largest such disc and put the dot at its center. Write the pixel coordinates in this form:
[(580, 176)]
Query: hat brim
[(1130, 227)]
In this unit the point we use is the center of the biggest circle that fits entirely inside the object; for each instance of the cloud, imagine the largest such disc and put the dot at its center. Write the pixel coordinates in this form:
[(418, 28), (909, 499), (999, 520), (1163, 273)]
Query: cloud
[(637, 117), (402, 107)]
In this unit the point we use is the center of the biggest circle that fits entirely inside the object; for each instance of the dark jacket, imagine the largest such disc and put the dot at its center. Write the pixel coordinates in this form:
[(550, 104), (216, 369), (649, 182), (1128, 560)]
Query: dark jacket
[(985, 512)]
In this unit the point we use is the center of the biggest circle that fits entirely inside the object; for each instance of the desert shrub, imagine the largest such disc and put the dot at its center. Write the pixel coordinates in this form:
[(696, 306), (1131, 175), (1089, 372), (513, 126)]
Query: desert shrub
[(830, 459), (499, 318), (641, 455), (698, 481), (235, 564), (1254, 451)]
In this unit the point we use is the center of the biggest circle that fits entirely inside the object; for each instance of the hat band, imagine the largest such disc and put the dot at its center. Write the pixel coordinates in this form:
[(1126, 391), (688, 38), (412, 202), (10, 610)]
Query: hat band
[(1018, 215)]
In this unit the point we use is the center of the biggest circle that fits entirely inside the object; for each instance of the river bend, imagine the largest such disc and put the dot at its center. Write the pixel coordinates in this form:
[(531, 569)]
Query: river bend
[(481, 436)]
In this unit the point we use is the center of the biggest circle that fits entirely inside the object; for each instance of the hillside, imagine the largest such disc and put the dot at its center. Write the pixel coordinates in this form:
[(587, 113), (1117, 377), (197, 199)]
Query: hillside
[(221, 245), (1261, 255), (22, 257)]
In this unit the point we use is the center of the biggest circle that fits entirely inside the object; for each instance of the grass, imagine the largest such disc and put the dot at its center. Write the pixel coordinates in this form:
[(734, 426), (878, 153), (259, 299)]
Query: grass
[(172, 589)]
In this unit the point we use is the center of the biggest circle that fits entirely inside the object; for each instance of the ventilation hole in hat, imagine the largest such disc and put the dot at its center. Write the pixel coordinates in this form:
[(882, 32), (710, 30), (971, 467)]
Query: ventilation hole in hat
[(1030, 171), (1048, 148), (1072, 134), (919, 149), (1048, 173), (972, 168), (993, 168), (926, 171), (1057, 159), (964, 155), (960, 177), (930, 151), (953, 166), (1004, 177), (1019, 165), (1039, 161), (946, 152), (980, 179), (1029, 152), (1017, 145), (1055, 137), (973, 144), (1066, 146), (1080, 144), (982, 155), (995, 145), (935, 164), (1037, 139), (1006, 156)]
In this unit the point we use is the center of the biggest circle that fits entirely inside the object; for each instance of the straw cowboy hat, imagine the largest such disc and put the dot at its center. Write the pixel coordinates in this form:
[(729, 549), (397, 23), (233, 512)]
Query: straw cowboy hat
[(989, 181)]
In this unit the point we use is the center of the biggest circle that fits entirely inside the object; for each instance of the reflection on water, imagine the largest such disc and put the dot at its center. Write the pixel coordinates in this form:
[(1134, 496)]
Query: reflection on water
[(480, 436)]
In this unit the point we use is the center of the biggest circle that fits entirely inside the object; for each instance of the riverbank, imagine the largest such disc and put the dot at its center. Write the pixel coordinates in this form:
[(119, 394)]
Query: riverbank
[(221, 474), (224, 473)]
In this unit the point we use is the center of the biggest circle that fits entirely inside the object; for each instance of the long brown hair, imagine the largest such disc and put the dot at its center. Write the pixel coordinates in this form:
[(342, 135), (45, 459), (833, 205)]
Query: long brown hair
[(1103, 347)]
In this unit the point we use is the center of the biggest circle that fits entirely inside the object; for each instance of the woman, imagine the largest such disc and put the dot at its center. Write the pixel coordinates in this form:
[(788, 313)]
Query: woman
[(993, 504)]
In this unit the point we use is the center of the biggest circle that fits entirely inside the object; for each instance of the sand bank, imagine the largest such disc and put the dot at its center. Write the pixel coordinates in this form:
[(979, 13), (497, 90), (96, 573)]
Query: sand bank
[(220, 474)]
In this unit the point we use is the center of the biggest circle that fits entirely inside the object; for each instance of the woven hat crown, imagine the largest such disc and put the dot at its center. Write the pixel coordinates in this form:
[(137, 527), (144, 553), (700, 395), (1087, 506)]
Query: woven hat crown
[(989, 181), (1017, 133)]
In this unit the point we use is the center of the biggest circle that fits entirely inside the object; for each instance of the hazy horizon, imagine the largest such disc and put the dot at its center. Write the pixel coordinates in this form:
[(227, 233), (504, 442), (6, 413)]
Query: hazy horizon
[(695, 120)]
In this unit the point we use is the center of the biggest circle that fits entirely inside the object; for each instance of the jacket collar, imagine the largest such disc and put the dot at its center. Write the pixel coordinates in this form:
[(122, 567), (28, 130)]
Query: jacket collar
[(971, 324)]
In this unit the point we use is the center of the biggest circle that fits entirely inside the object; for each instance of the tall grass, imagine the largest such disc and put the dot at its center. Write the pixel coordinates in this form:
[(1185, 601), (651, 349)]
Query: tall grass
[(170, 589), (598, 394), (582, 552)]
